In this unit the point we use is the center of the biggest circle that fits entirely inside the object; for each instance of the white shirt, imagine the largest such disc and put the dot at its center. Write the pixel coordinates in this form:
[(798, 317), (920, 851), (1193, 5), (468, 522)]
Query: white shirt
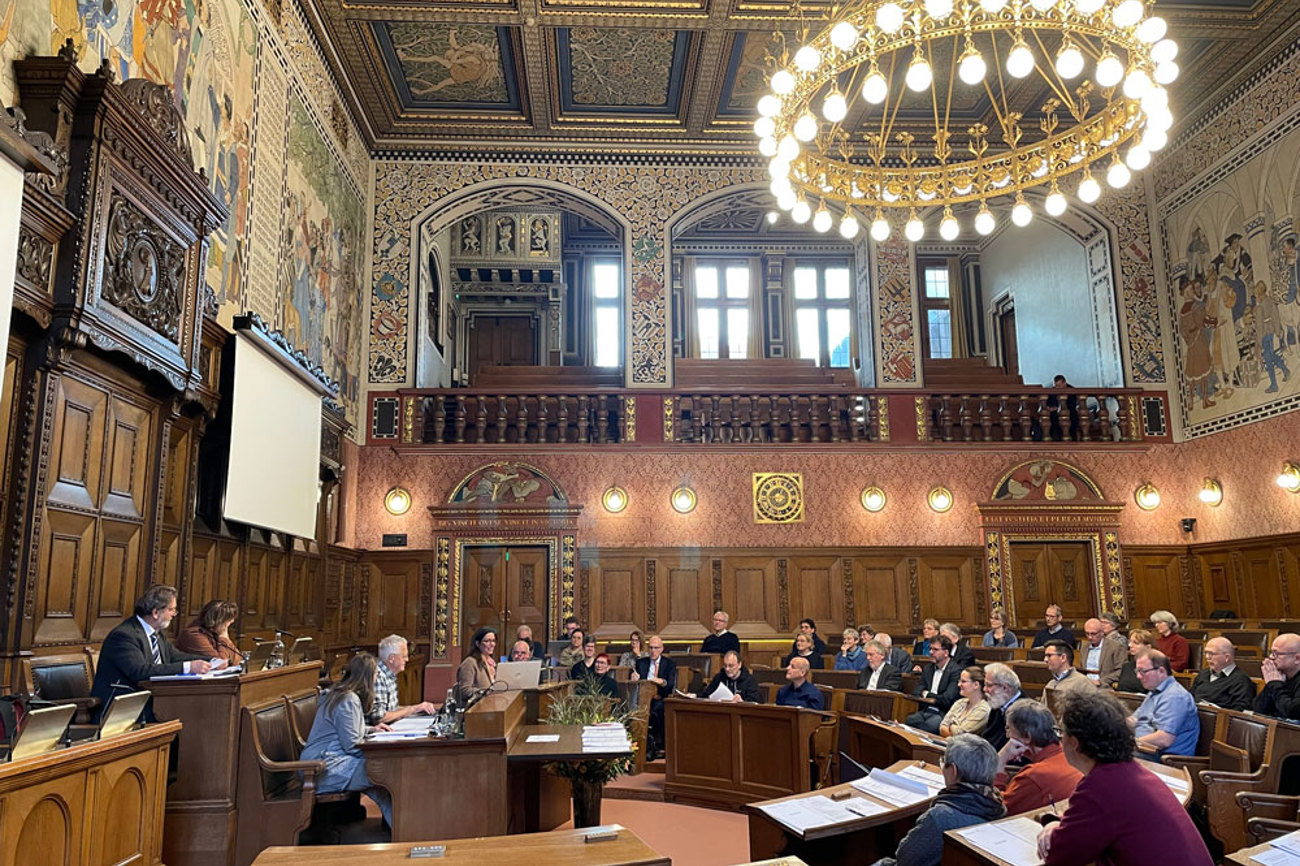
[(1223, 673), (148, 637), (938, 675), (875, 676)]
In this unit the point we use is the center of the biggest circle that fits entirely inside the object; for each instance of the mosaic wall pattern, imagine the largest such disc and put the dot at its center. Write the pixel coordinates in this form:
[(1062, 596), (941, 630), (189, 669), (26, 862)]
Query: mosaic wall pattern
[(895, 310), (1137, 277), (446, 63), (645, 195), (620, 67)]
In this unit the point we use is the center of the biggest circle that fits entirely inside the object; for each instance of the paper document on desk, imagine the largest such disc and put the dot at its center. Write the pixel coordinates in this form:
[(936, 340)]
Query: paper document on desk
[(1276, 857), (893, 788), (390, 736), (929, 778), (543, 738), (1290, 843), (607, 737), (1178, 783), (807, 813), (1015, 841), (722, 693), (419, 723)]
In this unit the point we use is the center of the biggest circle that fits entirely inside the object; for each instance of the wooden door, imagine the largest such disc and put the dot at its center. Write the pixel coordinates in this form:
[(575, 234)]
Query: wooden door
[(1007, 334), (501, 341), (1058, 572), (502, 587), (526, 592)]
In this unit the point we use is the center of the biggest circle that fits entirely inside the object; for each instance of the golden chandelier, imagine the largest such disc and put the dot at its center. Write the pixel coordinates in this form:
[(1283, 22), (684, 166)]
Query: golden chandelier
[(829, 123)]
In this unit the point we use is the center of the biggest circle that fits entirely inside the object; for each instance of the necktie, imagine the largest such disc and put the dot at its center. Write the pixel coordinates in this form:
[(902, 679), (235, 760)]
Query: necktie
[(654, 669), (157, 653)]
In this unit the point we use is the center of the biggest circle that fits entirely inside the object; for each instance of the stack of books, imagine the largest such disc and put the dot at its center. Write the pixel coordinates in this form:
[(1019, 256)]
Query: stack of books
[(607, 737)]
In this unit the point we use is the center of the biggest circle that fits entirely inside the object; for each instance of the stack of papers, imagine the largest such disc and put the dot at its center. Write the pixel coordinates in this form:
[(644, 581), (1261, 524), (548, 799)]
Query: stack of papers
[(901, 789), (722, 693), (607, 737), (1283, 851), (1015, 841), (389, 736), (807, 813)]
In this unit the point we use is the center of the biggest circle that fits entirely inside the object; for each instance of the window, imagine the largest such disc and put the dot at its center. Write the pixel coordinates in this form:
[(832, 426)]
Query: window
[(937, 304), (607, 315), (822, 320), (722, 292)]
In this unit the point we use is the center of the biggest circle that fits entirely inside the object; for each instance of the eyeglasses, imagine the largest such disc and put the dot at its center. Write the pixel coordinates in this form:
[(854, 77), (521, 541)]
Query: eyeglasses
[(1141, 671), (1275, 654)]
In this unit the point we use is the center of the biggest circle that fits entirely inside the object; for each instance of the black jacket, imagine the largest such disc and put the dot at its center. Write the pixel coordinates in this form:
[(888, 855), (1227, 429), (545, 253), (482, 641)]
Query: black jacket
[(815, 661), (1280, 699), (667, 673), (899, 658), (949, 682), (744, 685), (891, 678), (598, 684), (1233, 692), (1043, 636), (127, 658), (963, 655), (819, 646), (721, 643), (995, 729)]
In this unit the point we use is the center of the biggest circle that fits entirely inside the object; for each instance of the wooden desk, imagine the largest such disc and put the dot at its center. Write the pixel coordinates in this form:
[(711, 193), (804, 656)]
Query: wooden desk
[(539, 799), (564, 847), (1242, 857), (854, 842), (201, 803), (95, 802), (726, 754), (877, 743)]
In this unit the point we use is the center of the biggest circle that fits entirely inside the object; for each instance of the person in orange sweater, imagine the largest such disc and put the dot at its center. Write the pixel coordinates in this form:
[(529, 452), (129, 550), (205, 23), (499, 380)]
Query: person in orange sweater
[(208, 635), (1047, 777)]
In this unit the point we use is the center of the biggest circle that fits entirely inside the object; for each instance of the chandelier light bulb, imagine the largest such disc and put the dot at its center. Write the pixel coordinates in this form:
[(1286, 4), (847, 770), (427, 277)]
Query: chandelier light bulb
[(889, 17), (1155, 139), (880, 228), (1021, 215), (919, 74), (805, 128), (849, 227), (1055, 203), (1128, 13), (843, 35), (822, 219), (1020, 61), (1164, 51), (787, 148), (764, 127), (778, 166), (993, 7), (1152, 30), (915, 229), (782, 82), (769, 105), (1154, 99), (1043, 5), (948, 226), (985, 222), (1160, 118), (1110, 71), (835, 108), (1136, 84), (1137, 158), (1118, 175), (807, 59), (1089, 189), (938, 9), (875, 88), (767, 146), (1069, 61), (1088, 7), (1166, 73), (801, 212), (972, 67), (772, 217), (779, 185), (787, 199)]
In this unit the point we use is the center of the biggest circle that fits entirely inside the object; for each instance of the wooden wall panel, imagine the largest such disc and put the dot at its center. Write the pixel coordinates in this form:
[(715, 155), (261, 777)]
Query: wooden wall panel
[(751, 595), (882, 597), (946, 587), (1263, 582), (1157, 578), (817, 592), (686, 600), (617, 585)]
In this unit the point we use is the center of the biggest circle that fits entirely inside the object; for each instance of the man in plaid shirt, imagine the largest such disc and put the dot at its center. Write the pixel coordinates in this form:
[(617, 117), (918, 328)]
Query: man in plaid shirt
[(393, 655)]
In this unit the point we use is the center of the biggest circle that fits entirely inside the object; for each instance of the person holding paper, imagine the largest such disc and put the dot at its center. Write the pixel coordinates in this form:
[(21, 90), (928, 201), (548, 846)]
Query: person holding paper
[(1120, 812), (1046, 776), (736, 679), (968, 797), (797, 691), (879, 674)]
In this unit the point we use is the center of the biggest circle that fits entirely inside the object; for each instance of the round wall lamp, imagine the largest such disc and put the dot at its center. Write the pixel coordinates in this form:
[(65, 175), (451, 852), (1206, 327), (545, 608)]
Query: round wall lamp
[(940, 499), (1147, 497), (683, 500), (1211, 493), (397, 501), (873, 499), (614, 500), (1289, 479)]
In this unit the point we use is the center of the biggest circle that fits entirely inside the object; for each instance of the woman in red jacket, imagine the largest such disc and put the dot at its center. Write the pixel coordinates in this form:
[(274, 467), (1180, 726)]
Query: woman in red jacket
[(1169, 642)]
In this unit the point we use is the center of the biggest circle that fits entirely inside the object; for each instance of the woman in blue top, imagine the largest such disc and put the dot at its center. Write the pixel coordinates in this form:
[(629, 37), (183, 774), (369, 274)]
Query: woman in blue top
[(338, 730), (999, 634), (850, 657)]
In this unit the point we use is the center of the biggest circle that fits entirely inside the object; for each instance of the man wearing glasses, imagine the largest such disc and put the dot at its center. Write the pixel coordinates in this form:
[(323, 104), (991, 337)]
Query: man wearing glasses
[(1053, 630), (1059, 657), (1165, 723), (1221, 682), (1280, 696)]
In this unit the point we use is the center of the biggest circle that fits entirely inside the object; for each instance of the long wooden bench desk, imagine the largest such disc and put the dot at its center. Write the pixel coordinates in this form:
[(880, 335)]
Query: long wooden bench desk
[(94, 802), (879, 743)]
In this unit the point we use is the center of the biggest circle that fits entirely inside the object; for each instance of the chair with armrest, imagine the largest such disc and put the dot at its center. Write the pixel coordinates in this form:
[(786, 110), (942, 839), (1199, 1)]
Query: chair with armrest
[(64, 679), (1269, 743), (637, 697), (1209, 719), (825, 755), (301, 712), (1269, 816)]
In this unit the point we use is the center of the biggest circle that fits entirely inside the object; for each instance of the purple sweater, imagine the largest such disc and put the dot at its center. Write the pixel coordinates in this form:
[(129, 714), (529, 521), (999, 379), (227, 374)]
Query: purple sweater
[(1122, 814)]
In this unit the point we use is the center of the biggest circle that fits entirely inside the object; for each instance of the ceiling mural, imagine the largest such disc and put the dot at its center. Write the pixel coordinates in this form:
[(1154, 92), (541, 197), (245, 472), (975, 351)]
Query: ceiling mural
[(655, 75)]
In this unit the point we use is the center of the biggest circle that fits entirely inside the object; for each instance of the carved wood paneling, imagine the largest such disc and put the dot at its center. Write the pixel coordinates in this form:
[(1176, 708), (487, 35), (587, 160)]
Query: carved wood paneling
[(1161, 581)]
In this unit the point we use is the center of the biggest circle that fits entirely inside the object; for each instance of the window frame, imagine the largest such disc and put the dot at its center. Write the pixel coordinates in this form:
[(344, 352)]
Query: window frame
[(723, 304), (596, 304), (822, 304), (923, 266)]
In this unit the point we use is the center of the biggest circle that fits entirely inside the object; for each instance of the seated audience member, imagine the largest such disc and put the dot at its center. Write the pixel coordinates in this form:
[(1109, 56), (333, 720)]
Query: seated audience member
[(1221, 682), (587, 663), (1102, 659), (339, 728), (1046, 776), (599, 681), (1281, 693), (1165, 722), (1002, 691), (797, 691), (866, 633), (1120, 812), (897, 656), (535, 648), (394, 653), (939, 683), (1169, 642), (998, 633), (208, 636), (572, 654), (970, 712), (522, 651), (1053, 630), (879, 674), (1110, 627), (1059, 657), (570, 623), (478, 670), (629, 658), (968, 797), (735, 677), (721, 640), (929, 631), (809, 628), (803, 649), (137, 648), (656, 668), (1139, 639), (962, 655), (850, 657)]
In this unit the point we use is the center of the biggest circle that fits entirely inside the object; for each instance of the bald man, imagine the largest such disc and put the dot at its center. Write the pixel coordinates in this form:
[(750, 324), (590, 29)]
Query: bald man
[(1221, 682), (1102, 659), (1281, 693), (797, 691)]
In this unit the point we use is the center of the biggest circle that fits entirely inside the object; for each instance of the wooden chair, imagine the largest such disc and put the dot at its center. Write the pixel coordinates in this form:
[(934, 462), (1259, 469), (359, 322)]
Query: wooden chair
[(301, 711), (64, 679), (706, 663), (1269, 743), (825, 757), (637, 697), (1269, 816), (836, 679), (881, 704), (92, 653)]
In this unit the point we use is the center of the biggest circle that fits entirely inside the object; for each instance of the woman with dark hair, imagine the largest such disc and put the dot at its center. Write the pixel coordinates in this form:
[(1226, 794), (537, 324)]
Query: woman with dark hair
[(338, 730), (479, 669), (208, 636), (1120, 812), (599, 681), (585, 665), (638, 650)]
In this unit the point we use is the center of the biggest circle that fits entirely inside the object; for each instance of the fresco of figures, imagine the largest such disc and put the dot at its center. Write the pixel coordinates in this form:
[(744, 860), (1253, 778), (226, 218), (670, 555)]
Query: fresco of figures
[(1233, 272)]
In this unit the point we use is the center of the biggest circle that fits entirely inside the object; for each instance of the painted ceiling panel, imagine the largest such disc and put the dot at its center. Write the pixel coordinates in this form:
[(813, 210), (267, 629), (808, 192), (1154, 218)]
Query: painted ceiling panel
[(620, 70), (449, 66)]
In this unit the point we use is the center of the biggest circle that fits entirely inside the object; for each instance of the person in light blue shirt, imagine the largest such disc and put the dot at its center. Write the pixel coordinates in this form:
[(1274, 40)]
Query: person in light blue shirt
[(850, 657), (1166, 722)]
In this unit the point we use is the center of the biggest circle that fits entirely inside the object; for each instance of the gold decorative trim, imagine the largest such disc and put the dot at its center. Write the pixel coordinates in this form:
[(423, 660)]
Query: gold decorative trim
[(1093, 540), (408, 420), (882, 414), (551, 544), (629, 412), (1115, 574), (669, 417), (568, 553), (441, 599), (1087, 479), (778, 497), (922, 425), (997, 596), (1135, 422)]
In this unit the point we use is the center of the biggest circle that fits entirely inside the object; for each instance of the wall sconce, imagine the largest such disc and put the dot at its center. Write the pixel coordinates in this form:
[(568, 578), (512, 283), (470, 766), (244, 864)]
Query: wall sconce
[(940, 499), (683, 500), (1290, 477), (1147, 497), (614, 500), (873, 499), (397, 501), (1211, 493)]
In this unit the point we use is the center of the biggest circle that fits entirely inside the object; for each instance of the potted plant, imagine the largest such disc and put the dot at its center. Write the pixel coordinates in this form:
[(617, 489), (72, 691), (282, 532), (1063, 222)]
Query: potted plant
[(588, 777)]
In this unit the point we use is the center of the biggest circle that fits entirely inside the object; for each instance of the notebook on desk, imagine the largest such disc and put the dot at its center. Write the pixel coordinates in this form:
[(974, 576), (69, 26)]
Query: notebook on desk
[(519, 675), (41, 731)]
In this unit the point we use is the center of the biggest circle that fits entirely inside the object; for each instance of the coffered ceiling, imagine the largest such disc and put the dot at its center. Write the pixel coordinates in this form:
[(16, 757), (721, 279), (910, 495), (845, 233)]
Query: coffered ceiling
[(646, 75)]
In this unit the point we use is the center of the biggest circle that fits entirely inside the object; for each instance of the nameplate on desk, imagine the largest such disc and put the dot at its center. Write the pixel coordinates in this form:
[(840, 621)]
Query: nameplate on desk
[(420, 852), (601, 836)]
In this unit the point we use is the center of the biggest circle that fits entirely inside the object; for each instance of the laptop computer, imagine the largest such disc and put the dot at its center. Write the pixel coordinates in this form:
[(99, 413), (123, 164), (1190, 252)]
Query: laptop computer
[(122, 713), (260, 655), (41, 731), (298, 652), (519, 675)]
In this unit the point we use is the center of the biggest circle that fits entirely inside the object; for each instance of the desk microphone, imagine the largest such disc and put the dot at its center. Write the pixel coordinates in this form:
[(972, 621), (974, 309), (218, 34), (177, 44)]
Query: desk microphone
[(286, 633)]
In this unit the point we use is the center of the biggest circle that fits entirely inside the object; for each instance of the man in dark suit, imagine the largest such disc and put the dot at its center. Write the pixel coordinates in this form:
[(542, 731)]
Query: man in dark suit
[(1001, 690), (879, 674), (962, 655), (662, 671), (721, 641), (138, 649), (1221, 682), (939, 682), (897, 656)]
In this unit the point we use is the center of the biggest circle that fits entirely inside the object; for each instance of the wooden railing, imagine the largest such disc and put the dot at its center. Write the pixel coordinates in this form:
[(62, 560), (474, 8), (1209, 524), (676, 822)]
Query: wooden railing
[(1029, 416)]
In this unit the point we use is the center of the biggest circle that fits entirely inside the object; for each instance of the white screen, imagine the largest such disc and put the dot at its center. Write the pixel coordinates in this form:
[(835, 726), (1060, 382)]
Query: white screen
[(274, 472)]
